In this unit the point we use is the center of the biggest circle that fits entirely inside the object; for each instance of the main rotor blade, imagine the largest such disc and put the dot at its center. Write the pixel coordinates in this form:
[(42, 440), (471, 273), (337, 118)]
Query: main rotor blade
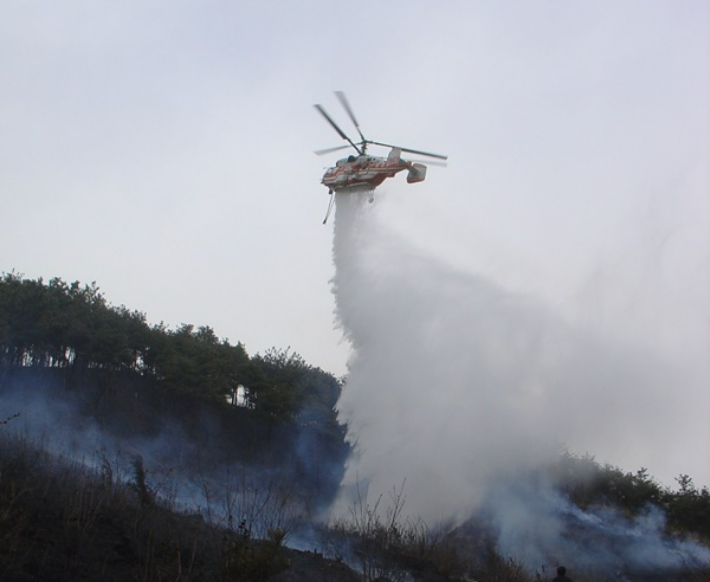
[(344, 102), (341, 133), (411, 151), (330, 150)]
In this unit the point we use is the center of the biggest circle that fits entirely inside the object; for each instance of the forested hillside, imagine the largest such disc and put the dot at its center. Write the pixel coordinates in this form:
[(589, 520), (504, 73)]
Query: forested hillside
[(131, 431), (56, 325), (173, 454), (64, 346)]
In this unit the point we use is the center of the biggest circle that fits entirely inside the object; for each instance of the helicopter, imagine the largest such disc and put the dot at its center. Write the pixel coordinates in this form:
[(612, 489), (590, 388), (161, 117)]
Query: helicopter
[(363, 172)]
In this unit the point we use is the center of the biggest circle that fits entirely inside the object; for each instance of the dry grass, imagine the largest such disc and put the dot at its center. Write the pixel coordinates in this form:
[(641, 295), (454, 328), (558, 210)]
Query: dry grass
[(66, 520)]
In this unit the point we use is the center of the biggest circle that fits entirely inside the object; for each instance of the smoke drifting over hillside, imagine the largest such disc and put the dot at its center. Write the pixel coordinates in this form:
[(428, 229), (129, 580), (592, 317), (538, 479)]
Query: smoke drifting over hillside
[(193, 461), (461, 388)]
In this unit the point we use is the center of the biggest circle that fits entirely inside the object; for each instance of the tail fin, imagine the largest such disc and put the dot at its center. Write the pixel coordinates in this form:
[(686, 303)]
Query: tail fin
[(417, 173), (394, 155)]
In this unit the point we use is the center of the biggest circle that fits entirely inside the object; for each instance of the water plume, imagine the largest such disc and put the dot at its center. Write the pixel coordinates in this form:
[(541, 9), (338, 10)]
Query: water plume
[(461, 388)]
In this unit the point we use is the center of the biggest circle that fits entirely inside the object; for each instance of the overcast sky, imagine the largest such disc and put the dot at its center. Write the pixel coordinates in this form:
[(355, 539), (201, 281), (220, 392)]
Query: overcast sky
[(165, 150)]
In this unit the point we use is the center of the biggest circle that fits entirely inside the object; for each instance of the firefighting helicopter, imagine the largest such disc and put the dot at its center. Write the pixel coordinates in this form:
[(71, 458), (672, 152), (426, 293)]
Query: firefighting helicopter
[(363, 172)]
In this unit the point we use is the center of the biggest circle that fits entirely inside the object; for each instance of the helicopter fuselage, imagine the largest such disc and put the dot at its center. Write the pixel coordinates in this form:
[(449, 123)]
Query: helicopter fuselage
[(364, 171)]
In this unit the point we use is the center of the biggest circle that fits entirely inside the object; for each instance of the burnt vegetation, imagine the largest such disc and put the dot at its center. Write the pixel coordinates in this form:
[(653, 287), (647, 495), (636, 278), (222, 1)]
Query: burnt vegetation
[(131, 451), (171, 446)]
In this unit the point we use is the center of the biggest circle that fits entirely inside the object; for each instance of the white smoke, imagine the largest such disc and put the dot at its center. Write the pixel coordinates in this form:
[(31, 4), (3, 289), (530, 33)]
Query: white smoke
[(457, 386), (185, 474), (538, 526)]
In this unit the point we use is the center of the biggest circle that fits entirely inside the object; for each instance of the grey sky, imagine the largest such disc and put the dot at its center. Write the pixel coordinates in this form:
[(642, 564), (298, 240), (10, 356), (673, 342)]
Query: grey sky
[(164, 150)]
